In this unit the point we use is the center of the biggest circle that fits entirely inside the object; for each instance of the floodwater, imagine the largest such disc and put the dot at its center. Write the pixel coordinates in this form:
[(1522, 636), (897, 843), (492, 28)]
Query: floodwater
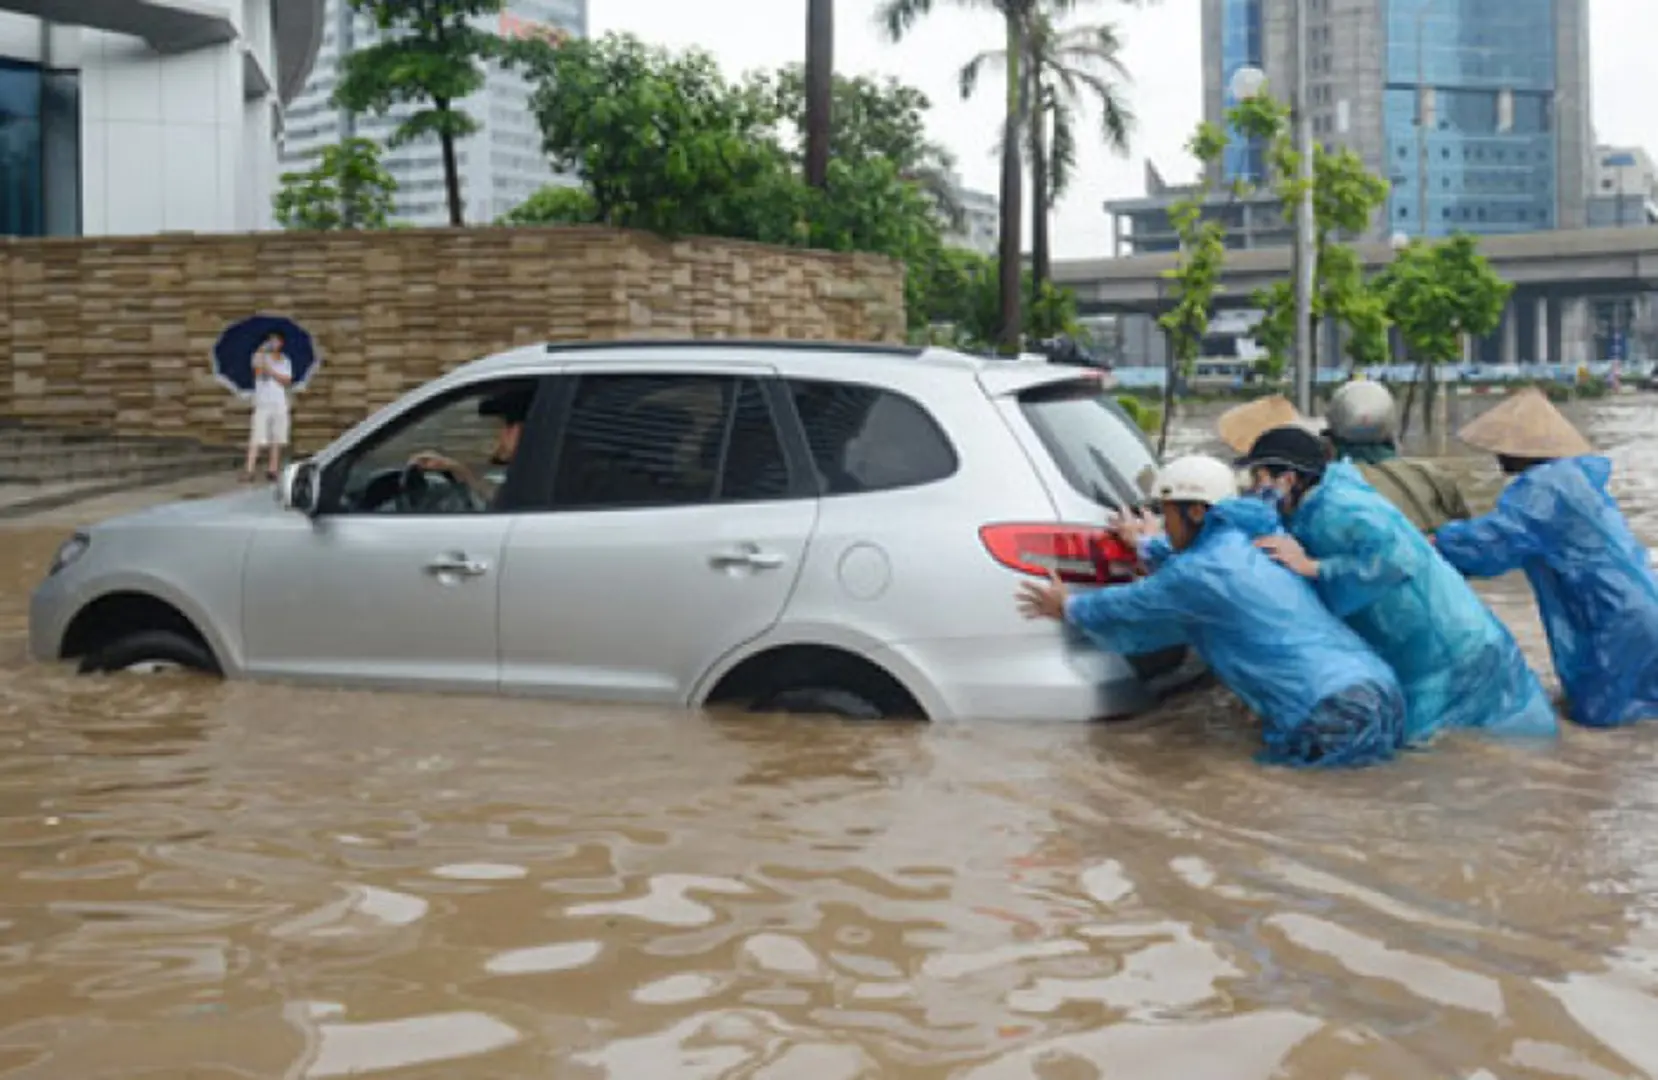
[(212, 881)]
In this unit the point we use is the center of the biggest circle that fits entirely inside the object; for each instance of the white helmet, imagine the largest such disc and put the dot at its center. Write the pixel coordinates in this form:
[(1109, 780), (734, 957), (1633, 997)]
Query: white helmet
[(1195, 479), (1363, 412)]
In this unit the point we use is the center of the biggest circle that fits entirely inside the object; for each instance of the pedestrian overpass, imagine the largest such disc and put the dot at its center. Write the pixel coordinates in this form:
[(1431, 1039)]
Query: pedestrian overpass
[(1554, 273)]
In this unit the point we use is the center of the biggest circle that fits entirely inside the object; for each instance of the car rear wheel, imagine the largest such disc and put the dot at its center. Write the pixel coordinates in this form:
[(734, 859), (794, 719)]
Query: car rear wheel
[(147, 651), (823, 701)]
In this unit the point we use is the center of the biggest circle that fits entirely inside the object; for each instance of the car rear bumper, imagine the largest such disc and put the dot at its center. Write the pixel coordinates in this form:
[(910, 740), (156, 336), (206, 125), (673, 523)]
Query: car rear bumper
[(1043, 677)]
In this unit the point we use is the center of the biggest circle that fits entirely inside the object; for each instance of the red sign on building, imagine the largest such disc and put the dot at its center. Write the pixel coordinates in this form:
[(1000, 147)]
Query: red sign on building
[(514, 26)]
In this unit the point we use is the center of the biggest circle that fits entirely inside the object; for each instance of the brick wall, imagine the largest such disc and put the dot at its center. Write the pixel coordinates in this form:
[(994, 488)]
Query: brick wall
[(116, 334)]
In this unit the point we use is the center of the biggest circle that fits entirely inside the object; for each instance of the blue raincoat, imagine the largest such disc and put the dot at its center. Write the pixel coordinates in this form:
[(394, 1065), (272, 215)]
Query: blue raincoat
[(1594, 583), (1324, 698), (1459, 666)]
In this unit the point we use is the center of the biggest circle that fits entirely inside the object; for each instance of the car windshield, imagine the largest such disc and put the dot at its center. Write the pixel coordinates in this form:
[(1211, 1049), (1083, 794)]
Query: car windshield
[(1098, 447)]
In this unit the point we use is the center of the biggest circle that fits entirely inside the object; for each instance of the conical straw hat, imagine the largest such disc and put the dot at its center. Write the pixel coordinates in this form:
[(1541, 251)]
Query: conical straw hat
[(1241, 425), (1527, 425)]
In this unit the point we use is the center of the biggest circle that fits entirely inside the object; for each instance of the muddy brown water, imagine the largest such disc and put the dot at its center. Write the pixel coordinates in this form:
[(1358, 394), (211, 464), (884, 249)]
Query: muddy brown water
[(203, 880)]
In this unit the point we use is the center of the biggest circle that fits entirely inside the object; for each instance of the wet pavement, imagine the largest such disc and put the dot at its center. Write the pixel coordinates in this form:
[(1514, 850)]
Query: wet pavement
[(215, 881)]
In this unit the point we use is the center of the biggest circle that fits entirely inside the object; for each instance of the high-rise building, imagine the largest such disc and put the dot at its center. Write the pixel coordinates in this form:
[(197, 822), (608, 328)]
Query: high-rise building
[(1501, 87), (501, 164)]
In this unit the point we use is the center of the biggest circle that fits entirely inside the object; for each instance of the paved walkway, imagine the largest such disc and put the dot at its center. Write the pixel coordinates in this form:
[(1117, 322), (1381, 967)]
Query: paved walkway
[(78, 511)]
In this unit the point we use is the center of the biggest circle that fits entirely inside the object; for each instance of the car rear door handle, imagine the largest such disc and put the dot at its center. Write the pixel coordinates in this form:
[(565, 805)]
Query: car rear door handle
[(456, 564), (748, 555)]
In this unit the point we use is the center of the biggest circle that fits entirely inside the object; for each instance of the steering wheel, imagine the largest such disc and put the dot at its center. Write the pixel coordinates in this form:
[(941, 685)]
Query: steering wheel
[(418, 494)]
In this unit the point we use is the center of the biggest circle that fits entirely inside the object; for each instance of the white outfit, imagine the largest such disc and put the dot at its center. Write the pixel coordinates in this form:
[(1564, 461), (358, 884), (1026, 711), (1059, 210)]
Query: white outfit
[(270, 405)]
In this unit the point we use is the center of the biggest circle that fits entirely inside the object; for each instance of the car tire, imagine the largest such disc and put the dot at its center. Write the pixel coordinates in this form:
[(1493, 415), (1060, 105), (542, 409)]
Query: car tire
[(823, 701), (167, 648)]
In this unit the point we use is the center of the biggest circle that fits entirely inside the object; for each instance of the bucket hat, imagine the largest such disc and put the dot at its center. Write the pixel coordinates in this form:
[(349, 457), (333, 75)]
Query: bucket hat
[(1241, 425), (1291, 446), (1527, 425)]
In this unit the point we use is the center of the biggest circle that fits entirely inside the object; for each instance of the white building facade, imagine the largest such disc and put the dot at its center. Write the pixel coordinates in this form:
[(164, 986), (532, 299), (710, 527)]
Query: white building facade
[(1626, 188), (146, 116), (980, 228), (501, 165)]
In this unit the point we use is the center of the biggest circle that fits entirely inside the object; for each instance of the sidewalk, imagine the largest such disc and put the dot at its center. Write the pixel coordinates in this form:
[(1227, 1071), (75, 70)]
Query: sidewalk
[(66, 505), (43, 469)]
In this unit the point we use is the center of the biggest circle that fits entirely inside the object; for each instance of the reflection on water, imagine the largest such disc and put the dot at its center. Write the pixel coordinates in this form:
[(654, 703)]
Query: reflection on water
[(220, 881)]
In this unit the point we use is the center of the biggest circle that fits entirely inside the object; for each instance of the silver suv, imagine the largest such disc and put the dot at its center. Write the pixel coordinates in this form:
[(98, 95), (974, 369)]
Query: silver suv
[(786, 526)]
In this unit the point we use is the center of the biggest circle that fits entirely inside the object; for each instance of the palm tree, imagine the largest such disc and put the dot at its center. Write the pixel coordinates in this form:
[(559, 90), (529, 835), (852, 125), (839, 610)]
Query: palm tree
[(1061, 68), (820, 69), (898, 17)]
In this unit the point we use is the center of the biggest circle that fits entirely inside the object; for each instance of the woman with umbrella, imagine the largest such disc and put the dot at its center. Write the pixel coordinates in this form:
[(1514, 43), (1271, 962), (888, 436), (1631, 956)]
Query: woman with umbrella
[(265, 358), (273, 373)]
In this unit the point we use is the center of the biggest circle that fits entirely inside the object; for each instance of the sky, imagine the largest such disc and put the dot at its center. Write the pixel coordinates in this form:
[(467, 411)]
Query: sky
[(1162, 56)]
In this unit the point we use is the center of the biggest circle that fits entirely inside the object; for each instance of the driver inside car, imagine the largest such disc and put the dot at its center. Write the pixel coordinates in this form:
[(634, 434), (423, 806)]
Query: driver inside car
[(512, 408)]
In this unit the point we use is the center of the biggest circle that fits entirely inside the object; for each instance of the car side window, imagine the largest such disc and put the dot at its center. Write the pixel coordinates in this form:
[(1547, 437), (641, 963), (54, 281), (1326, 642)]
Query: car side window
[(646, 440), (447, 456), (755, 468), (864, 439)]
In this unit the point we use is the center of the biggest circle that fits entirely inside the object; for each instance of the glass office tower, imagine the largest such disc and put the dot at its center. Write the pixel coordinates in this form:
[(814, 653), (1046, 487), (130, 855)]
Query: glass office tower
[(1240, 48), (1482, 75), (40, 150), (1503, 86)]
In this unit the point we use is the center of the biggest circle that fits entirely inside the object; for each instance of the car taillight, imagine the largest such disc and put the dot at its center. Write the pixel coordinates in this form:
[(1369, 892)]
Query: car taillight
[(1080, 554)]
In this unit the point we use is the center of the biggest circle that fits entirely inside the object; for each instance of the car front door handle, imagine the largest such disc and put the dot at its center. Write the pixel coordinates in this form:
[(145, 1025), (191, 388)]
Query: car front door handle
[(456, 564), (747, 555)]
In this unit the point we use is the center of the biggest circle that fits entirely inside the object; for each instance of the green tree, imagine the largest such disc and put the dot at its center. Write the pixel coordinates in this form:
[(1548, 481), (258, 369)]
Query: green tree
[(555, 204), (430, 57), (1195, 277), (959, 293), (662, 141), (870, 118), (1346, 196), (1064, 70), (898, 17), (348, 188), (1438, 295)]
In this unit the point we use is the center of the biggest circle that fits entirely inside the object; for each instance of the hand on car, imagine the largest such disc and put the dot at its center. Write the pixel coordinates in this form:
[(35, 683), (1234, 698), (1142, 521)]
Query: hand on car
[(1287, 552), (1044, 601), (1136, 527)]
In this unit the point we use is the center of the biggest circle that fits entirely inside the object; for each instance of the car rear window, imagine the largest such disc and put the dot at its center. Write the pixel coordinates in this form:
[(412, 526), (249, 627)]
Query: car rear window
[(865, 439), (1098, 447)]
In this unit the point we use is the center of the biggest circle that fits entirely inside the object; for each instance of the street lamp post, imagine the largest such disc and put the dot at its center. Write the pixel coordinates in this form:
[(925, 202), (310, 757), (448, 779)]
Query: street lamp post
[(1306, 265), (1246, 83), (1423, 119)]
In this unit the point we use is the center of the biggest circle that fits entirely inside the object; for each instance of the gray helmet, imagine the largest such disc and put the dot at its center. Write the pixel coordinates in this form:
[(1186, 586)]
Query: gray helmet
[(1363, 412)]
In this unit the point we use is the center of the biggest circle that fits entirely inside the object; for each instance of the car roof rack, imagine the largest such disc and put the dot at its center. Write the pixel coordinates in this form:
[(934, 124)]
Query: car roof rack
[(883, 348)]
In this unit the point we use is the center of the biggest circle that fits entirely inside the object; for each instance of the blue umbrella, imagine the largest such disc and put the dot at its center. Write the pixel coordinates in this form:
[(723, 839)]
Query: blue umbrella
[(233, 352)]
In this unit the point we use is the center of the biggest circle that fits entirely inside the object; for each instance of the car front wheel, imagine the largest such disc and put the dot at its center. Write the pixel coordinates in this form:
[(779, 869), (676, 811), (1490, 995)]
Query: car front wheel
[(146, 651)]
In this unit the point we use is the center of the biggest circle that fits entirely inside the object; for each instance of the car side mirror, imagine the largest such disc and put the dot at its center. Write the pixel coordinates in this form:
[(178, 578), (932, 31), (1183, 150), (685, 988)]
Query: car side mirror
[(298, 488)]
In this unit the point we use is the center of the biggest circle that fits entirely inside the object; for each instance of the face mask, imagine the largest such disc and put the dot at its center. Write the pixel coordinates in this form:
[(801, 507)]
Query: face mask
[(1270, 495)]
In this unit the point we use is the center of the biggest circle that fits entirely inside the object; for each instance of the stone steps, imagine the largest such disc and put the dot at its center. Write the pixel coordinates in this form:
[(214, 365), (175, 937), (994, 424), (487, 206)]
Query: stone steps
[(63, 463)]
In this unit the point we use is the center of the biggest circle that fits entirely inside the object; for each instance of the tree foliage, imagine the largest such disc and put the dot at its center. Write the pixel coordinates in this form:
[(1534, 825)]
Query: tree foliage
[(430, 57), (1064, 69), (961, 296), (348, 188), (1346, 196), (663, 142), (897, 18), (1195, 277), (1437, 294), (555, 204)]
